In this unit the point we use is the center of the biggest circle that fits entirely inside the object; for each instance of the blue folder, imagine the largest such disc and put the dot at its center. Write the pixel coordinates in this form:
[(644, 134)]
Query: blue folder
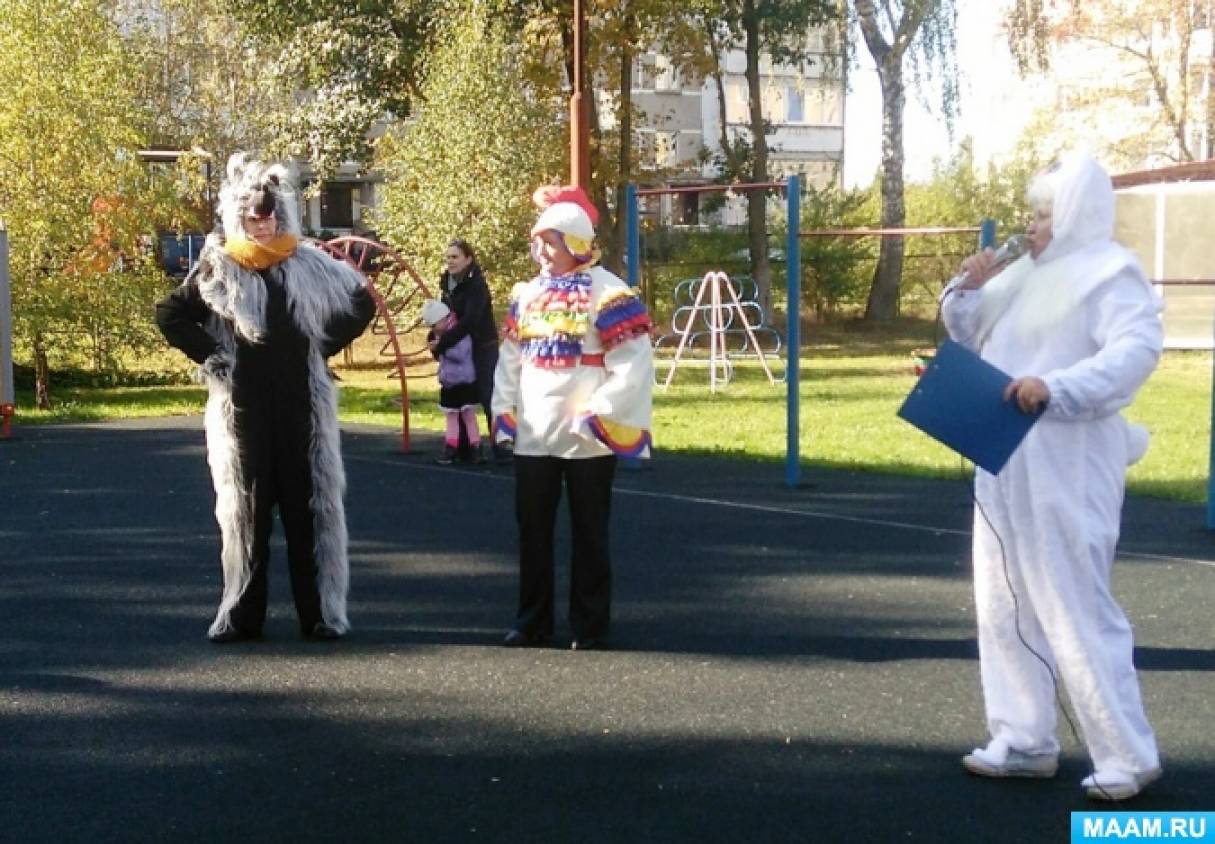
[(959, 400)]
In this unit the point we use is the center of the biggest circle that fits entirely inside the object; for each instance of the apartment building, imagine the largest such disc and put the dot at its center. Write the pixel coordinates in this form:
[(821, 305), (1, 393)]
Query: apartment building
[(679, 130)]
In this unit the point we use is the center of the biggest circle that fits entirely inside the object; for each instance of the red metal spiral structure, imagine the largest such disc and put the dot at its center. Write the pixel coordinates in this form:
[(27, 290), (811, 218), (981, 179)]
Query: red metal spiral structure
[(398, 292)]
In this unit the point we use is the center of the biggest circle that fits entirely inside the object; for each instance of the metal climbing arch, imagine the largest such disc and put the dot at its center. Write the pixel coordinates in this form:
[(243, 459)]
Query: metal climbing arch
[(398, 291)]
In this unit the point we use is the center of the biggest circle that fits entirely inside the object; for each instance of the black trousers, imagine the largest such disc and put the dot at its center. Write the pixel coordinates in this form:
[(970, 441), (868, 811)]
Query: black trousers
[(278, 473), (588, 483)]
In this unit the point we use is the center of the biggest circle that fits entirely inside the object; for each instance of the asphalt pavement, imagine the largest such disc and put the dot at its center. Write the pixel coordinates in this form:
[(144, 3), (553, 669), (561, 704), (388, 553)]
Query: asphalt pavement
[(787, 665)]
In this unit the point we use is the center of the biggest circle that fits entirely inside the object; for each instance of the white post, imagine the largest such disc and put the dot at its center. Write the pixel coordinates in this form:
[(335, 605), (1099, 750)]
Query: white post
[(686, 334), (742, 315), (716, 334), (6, 336)]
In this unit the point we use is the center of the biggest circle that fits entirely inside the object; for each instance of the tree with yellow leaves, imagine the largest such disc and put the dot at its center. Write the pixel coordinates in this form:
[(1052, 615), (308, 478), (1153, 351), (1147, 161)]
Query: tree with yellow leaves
[(78, 203)]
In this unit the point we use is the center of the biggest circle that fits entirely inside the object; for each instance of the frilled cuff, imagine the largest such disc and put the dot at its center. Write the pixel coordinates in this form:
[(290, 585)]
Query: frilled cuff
[(623, 440), (622, 317), (505, 427)]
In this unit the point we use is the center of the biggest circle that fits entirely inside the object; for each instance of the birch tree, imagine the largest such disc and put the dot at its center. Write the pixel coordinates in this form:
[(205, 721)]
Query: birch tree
[(1155, 50), (902, 36)]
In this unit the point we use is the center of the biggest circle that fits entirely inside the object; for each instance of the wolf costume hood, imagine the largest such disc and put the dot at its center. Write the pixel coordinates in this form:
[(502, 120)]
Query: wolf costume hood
[(252, 186)]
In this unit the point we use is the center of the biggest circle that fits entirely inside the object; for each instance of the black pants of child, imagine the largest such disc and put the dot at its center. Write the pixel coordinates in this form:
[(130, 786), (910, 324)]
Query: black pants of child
[(588, 484), (278, 474)]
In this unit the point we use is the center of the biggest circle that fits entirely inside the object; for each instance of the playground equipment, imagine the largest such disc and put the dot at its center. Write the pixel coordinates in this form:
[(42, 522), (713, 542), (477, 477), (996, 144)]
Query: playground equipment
[(398, 292), (718, 313), (793, 278)]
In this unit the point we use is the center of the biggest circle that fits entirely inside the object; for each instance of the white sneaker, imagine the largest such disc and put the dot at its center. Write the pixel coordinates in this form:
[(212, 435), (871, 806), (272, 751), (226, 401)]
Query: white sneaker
[(1000, 760), (1117, 785)]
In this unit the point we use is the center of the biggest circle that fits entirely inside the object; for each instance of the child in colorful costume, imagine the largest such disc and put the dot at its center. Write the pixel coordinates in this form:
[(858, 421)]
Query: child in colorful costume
[(457, 382), (572, 390)]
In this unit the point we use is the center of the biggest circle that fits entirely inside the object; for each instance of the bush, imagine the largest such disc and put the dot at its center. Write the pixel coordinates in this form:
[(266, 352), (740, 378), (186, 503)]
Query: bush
[(836, 270), (23, 378)]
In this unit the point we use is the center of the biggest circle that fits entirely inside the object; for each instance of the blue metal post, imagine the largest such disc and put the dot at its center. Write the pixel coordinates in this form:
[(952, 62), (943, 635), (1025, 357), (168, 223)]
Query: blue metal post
[(793, 270), (1211, 466), (633, 247), (987, 233)]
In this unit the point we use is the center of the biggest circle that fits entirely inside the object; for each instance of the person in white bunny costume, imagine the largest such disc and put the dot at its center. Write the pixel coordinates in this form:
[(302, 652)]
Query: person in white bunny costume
[(1077, 325)]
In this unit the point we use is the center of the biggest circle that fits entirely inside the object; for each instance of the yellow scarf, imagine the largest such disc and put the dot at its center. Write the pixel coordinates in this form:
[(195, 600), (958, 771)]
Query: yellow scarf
[(257, 256)]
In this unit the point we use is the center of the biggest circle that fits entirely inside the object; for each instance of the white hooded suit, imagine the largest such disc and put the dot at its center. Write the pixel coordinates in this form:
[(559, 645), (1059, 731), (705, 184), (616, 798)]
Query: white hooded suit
[(1084, 319)]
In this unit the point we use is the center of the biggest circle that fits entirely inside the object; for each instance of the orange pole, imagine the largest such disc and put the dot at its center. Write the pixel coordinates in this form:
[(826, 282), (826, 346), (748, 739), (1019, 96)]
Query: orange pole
[(580, 160), (382, 306)]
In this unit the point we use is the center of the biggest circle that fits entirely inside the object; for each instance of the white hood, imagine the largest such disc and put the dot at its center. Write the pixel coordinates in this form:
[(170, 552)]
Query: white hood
[(1083, 210), (1081, 255)]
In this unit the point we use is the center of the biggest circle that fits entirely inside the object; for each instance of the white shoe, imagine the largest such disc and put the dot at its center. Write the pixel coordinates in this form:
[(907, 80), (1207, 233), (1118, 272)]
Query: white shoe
[(1117, 785), (1000, 760)]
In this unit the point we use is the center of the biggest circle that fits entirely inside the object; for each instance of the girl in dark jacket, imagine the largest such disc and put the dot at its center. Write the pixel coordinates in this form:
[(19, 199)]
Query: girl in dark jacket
[(466, 292), (457, 384)]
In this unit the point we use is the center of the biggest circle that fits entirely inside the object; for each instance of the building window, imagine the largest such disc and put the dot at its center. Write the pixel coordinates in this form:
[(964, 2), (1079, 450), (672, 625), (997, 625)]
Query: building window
[(795, 108), (644, 145), (664, 75), (773, 100), (337, 207), (644, 74), (736, 103), (666, 148), (823, 107), (687, 211)]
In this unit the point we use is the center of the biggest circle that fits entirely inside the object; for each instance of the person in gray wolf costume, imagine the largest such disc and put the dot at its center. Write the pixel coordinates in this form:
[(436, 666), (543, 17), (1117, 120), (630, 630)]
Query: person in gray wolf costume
[(261, 312)]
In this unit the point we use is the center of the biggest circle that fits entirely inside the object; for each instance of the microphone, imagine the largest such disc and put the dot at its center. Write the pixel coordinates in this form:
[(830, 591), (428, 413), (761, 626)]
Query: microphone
[(1009, 251)]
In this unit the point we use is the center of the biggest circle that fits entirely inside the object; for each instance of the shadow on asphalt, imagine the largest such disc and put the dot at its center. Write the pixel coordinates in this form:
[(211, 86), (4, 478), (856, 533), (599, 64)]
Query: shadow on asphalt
[(778, 674)]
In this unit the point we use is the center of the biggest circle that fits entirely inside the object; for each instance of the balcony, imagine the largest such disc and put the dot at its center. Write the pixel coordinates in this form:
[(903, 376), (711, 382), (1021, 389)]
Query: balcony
[(802, 137)]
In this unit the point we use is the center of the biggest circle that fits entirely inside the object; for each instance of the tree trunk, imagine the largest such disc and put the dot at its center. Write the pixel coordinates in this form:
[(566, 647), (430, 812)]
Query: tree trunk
[(42, 375), (883, 301), (727, 150), (625, 162), (757, 200), (1209, 152)]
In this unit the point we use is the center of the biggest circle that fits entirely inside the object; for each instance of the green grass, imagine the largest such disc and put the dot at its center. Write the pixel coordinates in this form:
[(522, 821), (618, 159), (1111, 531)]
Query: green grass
[(99, 404), (853, 379)]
